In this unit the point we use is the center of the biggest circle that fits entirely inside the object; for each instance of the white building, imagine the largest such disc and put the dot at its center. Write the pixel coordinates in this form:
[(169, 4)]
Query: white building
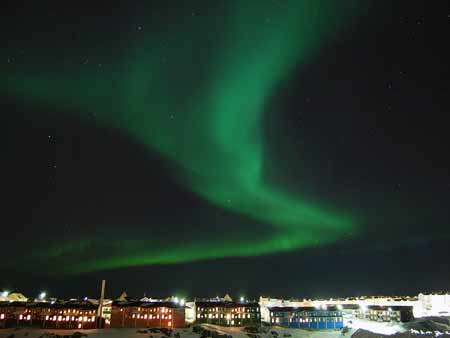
[(432, 305), (12, 297)]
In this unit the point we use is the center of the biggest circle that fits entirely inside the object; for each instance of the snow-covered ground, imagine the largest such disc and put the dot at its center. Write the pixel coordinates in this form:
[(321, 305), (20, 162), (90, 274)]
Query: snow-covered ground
[(376, 327), (237, 332), (102, 333), (380, 329), (184, 333)]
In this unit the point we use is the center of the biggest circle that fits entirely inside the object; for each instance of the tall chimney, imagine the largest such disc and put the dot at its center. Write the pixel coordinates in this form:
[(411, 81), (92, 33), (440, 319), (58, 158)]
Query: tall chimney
[(100, 305)]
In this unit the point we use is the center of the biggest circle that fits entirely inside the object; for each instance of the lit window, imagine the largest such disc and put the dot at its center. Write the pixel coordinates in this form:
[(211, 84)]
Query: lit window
[(170, 323)]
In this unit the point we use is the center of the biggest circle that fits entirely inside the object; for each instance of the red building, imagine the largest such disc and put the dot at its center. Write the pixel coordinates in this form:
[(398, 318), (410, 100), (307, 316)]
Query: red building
[(53, 315), (138, 314), (12, 313)]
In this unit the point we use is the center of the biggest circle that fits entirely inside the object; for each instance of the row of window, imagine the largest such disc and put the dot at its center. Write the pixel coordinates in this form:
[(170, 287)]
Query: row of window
[(53, 318), (227, 316), (150, 316), (312, 320), (307, 314), (152, 310), (74, 311), (223, 309)]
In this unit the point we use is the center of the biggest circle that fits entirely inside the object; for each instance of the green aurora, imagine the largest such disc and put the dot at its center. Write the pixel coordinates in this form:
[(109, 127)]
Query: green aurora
[(196, 94)]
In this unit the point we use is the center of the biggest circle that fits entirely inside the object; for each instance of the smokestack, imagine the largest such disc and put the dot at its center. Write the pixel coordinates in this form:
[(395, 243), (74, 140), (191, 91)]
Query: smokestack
[(100, 305)]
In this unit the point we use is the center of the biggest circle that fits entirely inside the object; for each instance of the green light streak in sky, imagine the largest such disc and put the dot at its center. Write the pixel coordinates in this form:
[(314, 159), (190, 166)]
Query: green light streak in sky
[(198, 98)]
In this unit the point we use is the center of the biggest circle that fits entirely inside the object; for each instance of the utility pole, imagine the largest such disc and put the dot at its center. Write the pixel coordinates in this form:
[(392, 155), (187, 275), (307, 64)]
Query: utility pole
[(100, 306)]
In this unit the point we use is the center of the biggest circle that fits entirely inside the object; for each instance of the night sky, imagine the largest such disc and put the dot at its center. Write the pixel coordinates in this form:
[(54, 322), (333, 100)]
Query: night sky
[(284, 148)]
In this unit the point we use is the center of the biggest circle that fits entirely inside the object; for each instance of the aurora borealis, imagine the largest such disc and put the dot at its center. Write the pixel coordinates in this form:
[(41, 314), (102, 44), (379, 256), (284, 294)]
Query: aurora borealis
[(219, 131), (207, 121)]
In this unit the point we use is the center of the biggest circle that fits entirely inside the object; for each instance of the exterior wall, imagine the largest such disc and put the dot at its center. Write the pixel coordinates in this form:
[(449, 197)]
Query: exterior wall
[(379, 316), (47, 317), (432, 305), (385, 314), (266, 303), (316, 320), (228, 314), (142, 317), (190, 312)]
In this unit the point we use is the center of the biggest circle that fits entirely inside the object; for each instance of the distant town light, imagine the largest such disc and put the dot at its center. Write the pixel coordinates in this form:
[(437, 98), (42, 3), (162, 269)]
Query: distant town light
[(42, 295), (5, 294), (85, 299), (242, 299), (176, 300)]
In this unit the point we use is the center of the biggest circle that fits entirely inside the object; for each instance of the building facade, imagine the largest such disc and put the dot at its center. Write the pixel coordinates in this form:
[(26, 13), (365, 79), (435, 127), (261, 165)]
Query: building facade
[(138, 314), (228, 313), (307, 317), (52, 315), (433, 304), (389, 314)]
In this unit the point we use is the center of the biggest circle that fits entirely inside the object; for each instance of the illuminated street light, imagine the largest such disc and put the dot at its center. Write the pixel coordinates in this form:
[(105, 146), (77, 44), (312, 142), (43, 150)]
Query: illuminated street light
[(5, 294), (242, 299), (176, 300), (182, 302), (42, 295)]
